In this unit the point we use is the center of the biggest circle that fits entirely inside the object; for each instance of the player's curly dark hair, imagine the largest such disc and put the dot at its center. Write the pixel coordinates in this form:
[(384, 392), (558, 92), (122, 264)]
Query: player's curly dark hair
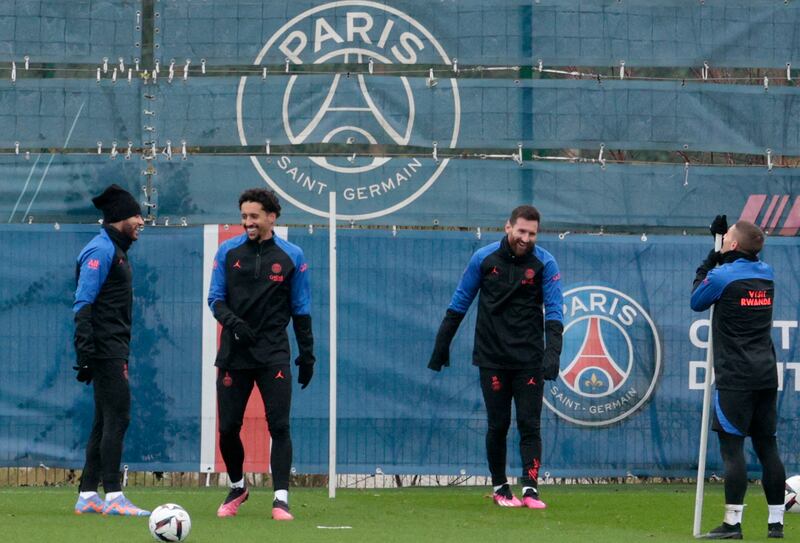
[(267, 199)]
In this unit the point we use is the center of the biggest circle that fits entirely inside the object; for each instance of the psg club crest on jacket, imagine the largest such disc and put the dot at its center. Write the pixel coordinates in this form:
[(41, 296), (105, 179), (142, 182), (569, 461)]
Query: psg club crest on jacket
[(338, 108), (610, 361)]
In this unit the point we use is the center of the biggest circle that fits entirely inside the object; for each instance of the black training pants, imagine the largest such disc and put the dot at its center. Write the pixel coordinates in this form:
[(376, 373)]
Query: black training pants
[(233, 392), (526, 388), (112, 414), (754, 413)]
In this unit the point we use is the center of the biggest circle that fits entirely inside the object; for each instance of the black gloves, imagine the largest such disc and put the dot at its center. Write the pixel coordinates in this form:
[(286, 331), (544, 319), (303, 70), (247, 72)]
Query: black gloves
[(553, 332), (305, 373), (84, 344), (243, 334), (84, 370), (719, 226), (305, 343), (305, 338), (440, 356), (713, 260), (84, 334), (550, 372), (441, 349)]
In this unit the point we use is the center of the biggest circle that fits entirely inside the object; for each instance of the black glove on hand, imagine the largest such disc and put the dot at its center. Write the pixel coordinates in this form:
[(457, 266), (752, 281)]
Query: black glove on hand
[(84, 372), (713, 259), (439, 358), (243, 334), (550, 371), (84, 336), (719, 225), (553, 335), (305, 373), (441, 349)]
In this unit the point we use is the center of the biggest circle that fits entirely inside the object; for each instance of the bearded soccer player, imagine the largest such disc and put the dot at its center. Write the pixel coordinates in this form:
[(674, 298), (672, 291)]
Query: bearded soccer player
[(517, 343), (103, 303), (742, 291), (258, 284)]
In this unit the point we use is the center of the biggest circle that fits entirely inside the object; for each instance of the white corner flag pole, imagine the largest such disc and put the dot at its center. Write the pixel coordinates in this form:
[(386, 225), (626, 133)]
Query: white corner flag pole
[(332, 342), (701, 456)]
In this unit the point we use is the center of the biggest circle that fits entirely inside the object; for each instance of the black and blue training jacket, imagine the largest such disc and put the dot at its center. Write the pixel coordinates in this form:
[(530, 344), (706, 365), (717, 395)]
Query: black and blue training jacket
[(103, 298), (265, 284), (520, 303), (742, 291)]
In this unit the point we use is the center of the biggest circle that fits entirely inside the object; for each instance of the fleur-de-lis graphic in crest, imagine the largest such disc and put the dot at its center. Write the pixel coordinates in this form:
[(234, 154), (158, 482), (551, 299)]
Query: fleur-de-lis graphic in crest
[(594, 382)]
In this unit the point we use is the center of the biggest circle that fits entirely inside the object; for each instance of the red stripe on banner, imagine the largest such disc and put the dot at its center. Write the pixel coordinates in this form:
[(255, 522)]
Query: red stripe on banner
[(778, 213), (768, 214), (792, 224), (255, 434), (751, 209)]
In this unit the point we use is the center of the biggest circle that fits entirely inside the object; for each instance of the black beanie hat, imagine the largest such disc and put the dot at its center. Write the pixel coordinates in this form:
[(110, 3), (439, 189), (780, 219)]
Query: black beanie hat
[(117, 204)]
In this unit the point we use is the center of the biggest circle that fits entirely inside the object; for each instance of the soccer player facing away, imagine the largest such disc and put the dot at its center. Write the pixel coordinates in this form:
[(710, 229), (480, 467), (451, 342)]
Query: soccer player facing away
[(258, 284), (517, 343), (742, 292), (102, 308)]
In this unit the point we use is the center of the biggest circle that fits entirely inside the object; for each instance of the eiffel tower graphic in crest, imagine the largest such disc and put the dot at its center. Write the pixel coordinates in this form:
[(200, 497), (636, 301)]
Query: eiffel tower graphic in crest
[(593, 355)]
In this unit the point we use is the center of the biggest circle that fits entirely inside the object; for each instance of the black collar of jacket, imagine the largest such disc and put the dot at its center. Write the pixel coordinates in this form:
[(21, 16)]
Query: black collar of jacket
[(732, 256), (120, 240), (262, 243), (508, 254)]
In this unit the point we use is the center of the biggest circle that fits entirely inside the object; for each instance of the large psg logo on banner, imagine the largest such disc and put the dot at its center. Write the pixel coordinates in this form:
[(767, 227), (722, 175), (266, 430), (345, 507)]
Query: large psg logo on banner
[(611, 358), (344, 108)]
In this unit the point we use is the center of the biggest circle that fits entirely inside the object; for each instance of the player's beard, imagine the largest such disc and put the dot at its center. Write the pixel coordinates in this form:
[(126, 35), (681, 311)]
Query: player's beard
[(519, 247), (131, 231), (258, 232)]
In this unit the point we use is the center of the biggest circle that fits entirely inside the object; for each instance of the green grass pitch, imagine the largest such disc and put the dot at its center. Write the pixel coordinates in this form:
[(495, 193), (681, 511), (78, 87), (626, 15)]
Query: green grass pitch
[(576, 513)]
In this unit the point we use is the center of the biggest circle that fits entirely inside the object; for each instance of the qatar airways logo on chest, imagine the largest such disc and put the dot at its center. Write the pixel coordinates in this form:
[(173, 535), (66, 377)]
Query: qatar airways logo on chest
[(275, 274), (344, 108), (610, 361)]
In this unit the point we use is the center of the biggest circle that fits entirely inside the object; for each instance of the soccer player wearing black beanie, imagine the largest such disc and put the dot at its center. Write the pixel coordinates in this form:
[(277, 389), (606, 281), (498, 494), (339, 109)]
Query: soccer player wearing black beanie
[(102, 308)]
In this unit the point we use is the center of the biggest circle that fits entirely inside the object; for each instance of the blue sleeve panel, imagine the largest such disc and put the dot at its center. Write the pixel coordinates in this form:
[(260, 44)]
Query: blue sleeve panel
[(711, 288), (218, 288), (471, 280), (300, 287), (551, 287), (95, 262)]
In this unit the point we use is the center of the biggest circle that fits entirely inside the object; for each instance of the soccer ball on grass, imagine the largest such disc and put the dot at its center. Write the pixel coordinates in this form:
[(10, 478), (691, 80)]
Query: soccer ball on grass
[(792, 497), (170, 522)]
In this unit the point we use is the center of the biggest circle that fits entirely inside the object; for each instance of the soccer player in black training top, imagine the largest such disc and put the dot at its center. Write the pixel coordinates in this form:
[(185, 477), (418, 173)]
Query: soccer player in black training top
[(517, 345), (742, 292), (102, 311), (259, 282)]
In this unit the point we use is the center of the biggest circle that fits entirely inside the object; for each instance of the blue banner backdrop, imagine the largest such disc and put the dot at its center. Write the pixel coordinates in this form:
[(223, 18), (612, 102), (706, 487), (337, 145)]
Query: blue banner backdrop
[(221, 109), (473, 193), (725, 33), (394, 414), (748, 33), (627, 115), (63, 31), (542, 113)]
